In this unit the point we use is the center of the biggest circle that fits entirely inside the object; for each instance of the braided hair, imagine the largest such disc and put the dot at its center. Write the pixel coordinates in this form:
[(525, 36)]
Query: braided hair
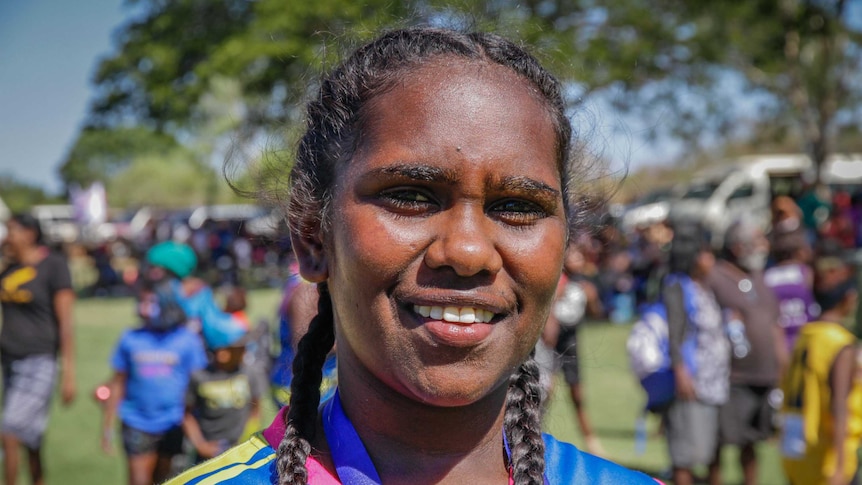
[(333, 124)]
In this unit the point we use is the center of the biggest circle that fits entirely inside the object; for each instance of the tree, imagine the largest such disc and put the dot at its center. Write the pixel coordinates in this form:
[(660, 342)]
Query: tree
[(169, 55), (724, 68), (172, 181), (101, 153), (20, 196), (695, 70)]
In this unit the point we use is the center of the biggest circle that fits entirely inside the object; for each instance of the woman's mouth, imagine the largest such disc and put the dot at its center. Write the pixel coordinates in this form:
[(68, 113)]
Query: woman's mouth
[(455, 326), (453, 314)]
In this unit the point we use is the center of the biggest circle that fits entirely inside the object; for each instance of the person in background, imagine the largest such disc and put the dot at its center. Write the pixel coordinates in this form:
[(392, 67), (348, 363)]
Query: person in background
[(786, 215), (792, 281), (152, 366), (759, 352), (699, 354), (558, 348), (815, 202), (37, 299), (171, 264), (222, 398), (297, 308), (822, 413), (839, 225), (235, 304)]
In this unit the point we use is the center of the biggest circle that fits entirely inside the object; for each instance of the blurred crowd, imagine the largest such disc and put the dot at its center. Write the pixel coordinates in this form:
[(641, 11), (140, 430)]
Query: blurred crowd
[(723, 340), (755, 339)]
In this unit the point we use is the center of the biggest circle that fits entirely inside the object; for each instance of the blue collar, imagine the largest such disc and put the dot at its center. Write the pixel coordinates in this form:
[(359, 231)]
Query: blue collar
[(352, 463)]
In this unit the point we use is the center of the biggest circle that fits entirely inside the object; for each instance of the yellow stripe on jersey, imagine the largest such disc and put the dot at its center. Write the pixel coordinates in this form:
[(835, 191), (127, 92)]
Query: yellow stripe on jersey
[(228, 465)]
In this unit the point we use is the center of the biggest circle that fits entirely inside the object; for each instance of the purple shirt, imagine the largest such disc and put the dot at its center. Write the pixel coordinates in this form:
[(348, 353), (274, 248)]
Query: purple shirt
[(796, 304)]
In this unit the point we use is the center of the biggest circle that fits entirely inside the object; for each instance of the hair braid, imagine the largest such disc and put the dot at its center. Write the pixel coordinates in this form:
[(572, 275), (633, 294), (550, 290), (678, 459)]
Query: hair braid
[(295, 446), (523, 425)]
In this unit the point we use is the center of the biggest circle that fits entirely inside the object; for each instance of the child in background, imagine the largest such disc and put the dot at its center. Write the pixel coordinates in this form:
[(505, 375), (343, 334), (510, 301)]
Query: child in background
[(152, 366), (221, 398), (235, 304)]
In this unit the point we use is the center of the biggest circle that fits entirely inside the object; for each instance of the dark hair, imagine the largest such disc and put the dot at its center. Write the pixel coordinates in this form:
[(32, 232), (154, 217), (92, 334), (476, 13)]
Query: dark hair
[(333, 124), (30, 223), (830, 298), (688, 242)]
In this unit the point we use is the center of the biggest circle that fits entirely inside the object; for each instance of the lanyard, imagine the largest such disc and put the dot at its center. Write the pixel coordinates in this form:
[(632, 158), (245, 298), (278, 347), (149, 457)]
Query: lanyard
[(352, 463)]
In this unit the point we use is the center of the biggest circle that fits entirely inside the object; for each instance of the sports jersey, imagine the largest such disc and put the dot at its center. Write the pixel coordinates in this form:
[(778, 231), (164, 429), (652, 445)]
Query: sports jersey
[(158, 366), (221, 401), (807, 443), (796, 305), (253, 463)]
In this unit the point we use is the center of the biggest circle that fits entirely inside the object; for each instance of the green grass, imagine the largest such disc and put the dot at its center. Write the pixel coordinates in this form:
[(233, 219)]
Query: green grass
[(73, 455)]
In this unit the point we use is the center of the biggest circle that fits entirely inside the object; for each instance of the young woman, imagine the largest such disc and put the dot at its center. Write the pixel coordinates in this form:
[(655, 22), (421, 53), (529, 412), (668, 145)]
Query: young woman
[(429, 205), (36, 297)]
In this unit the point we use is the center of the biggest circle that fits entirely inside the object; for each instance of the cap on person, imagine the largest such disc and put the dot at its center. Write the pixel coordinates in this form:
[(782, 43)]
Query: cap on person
[(178, 258)]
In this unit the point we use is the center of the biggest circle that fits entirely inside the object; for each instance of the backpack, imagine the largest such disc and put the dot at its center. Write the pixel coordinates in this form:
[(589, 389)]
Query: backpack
[(648, 347), (649, 355)]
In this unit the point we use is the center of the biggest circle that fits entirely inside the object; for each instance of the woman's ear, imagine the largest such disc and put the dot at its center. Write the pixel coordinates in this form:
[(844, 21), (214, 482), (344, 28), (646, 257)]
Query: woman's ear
[(308, 247)]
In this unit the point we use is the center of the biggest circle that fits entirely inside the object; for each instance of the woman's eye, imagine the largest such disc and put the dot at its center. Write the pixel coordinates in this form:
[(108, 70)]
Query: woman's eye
[(407, 199), (518, 212)]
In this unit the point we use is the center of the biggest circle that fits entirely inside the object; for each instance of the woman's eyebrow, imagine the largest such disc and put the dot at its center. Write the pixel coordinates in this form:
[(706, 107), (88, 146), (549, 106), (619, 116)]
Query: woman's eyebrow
[(419, 172), (524, 184)]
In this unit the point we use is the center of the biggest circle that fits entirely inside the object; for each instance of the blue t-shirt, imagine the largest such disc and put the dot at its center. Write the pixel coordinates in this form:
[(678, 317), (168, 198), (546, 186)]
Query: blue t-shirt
[(158, 366)]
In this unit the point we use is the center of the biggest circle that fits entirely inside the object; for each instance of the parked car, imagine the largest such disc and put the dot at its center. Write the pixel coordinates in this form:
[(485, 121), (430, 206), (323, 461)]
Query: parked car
[(649, 209)]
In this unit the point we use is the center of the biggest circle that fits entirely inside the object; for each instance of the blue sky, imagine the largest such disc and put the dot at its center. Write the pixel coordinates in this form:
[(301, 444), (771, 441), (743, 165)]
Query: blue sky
[(49, 50)]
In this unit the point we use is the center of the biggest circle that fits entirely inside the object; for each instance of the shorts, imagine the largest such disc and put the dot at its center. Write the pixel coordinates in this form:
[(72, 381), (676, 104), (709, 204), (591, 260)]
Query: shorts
[(567, 355), (28, 384), (747, 416), (692, 433), (137, 442)]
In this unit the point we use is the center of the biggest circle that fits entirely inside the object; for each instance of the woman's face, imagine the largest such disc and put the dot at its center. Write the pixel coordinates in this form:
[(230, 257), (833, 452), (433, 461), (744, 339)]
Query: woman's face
[(450, 212), (18, 237)]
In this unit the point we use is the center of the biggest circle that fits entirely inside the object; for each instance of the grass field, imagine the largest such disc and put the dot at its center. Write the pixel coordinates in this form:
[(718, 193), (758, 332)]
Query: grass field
[(73, 456)]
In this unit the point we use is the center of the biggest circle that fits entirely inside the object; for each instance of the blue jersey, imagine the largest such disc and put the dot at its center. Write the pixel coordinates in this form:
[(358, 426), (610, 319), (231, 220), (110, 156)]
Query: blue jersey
[(253, 463), (158, 366)]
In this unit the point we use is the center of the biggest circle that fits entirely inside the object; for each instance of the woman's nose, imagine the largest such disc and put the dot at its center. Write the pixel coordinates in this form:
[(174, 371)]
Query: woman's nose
[(464, 241)]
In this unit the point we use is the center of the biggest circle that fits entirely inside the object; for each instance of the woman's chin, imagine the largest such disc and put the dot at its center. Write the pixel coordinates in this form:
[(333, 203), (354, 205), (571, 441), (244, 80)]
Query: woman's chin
[(446, 391)]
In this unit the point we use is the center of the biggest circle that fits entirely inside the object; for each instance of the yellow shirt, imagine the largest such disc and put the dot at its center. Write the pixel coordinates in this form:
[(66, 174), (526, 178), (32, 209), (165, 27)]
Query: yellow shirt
[(807, 394)]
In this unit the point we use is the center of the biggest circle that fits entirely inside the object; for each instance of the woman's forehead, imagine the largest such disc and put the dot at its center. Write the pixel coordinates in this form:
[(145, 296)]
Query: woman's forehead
[(477, 109)]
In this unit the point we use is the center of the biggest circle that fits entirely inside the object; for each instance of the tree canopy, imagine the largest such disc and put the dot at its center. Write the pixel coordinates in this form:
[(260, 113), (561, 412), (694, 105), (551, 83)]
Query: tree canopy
[(740, 69)]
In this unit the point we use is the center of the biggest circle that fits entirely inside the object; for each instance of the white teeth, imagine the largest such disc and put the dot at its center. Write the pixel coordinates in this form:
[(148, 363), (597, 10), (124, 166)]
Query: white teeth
[(436, 312), (454, 314), (468, 315), (451, 314)]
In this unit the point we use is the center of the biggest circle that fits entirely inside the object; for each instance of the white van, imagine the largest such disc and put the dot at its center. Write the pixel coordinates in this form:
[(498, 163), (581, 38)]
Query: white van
[(57, 222), (745, 187)]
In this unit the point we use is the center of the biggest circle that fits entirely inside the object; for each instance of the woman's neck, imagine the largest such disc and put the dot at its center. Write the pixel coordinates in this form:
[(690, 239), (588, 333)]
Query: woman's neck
[(831, 316), (31, 255), (412, 442)]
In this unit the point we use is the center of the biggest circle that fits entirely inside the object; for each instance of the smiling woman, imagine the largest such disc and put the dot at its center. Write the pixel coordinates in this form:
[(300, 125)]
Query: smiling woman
[(429, 202)]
